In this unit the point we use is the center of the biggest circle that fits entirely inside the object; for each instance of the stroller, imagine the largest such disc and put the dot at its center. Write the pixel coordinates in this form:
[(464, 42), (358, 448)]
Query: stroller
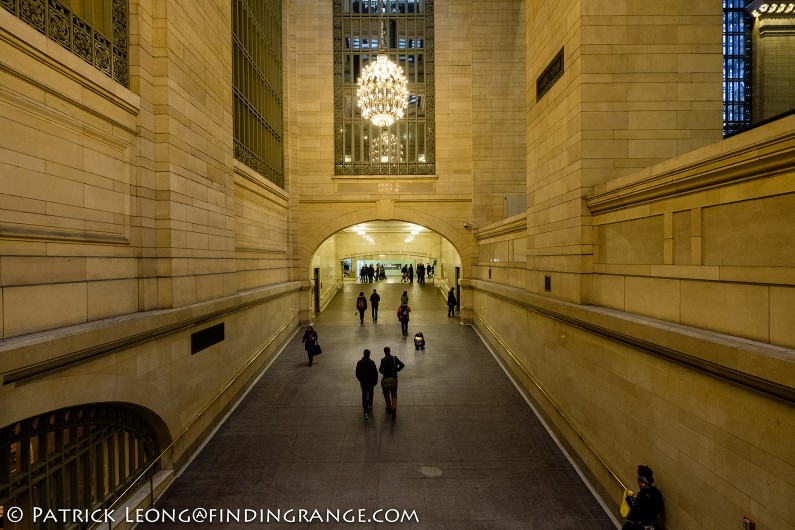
[(419, 341)]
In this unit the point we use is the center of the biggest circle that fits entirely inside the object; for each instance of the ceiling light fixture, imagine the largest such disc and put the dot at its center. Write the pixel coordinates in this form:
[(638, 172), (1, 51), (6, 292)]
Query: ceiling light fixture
[(383, 89)]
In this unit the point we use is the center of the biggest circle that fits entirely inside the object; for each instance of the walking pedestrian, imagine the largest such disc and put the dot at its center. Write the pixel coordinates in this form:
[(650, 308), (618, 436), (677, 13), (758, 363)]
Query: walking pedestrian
[(405, 272), (404, 298), (361, 306), (411, 273), (451, 303), (375, 299), (403, 315), (367, 374), (310, 342), (390, 366)]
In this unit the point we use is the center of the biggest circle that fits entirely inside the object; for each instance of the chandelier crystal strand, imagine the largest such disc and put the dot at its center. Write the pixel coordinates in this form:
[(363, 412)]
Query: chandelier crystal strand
[(383, 89), (386, 148)]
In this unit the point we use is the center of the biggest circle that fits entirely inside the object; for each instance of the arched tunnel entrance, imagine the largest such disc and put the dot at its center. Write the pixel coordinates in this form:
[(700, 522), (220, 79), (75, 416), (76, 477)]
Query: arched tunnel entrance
[(388, 247)]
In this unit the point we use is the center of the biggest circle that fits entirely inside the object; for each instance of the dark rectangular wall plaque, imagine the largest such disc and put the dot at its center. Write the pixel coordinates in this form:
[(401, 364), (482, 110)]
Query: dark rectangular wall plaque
[(205, 338), (551, 73)]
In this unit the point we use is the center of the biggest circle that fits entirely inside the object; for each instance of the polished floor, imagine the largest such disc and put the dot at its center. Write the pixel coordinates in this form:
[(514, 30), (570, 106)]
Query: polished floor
[(464, 451)]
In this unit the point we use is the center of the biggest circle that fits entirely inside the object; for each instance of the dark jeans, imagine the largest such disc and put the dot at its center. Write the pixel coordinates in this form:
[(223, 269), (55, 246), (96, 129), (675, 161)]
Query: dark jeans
[(367, 397), (404, 327), (361, 316), (375, 312)]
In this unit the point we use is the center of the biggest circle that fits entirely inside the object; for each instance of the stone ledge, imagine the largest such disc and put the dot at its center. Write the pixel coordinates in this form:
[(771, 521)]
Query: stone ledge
[(762, 367), (39, 353)]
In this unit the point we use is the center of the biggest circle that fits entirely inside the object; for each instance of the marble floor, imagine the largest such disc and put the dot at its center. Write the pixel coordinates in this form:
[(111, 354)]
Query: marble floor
[(465, 450)]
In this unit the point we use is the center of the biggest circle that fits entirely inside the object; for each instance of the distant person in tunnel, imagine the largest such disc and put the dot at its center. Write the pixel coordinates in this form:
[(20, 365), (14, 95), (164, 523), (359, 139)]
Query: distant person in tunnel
[(310, 342), (451, 303), (375, 299), (361, 306), (403, 315)]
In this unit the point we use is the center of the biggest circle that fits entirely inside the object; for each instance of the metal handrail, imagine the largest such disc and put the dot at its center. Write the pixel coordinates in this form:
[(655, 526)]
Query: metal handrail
[(560, 411), (146, 471)]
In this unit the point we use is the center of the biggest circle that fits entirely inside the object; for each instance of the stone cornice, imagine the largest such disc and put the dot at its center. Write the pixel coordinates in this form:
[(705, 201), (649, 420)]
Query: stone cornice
[(511, 225), (758, 160)]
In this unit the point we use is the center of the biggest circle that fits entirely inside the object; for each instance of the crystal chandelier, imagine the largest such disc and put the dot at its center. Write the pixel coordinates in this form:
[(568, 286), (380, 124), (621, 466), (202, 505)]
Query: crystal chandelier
[(383, 92)]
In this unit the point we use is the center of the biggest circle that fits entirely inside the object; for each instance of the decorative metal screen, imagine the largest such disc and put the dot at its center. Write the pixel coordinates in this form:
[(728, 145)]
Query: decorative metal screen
[(257, 73), (737, 25), (408, 146), (103, 44), (80, 458)]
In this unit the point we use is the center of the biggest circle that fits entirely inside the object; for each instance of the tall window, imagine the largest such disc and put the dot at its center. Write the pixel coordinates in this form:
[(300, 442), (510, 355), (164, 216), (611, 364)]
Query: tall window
[(257, 72), (94, 30), (408, 146), (737, 25)]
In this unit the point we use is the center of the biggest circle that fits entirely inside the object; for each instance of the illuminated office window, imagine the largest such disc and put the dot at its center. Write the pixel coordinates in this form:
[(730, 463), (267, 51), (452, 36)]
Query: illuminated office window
[(737, 25), (407, 147)]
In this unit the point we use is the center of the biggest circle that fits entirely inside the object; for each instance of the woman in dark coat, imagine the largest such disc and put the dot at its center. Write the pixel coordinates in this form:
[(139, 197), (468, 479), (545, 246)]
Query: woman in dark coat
[(310, 341)]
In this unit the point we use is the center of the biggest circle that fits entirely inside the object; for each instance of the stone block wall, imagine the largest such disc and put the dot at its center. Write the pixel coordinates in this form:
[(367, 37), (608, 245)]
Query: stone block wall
[(719, 256), (126, 225), (641, 84)]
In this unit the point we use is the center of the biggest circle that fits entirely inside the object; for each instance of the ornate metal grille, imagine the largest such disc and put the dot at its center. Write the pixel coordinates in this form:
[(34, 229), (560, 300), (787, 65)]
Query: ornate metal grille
[(257, 72), (107, 53), (737, 25), (410, 38), (77, 458)]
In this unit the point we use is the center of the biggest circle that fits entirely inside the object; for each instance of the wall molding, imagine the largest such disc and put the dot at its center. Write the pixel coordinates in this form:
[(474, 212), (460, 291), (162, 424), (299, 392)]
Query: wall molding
[(697, 349)]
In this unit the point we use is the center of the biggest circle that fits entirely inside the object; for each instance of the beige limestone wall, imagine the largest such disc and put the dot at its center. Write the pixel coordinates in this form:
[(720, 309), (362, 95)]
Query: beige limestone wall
[(641, 84), (261, 233), (502, 252), (68, 194), (773, 70), (146, 359), (327, 261), (126, 225), (192, 125), (704, 239), (719, 449), (499, 168)]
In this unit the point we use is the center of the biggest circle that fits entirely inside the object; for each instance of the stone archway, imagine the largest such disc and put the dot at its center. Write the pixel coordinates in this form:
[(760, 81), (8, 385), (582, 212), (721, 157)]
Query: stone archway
[(460, 239)]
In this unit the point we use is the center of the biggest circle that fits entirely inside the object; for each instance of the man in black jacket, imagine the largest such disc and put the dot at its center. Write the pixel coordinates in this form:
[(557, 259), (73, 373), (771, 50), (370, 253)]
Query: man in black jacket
[(375, 298), (367, 374)]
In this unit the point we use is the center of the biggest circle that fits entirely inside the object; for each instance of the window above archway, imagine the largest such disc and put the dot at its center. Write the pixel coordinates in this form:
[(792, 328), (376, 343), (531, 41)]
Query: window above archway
[(407, 147)]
